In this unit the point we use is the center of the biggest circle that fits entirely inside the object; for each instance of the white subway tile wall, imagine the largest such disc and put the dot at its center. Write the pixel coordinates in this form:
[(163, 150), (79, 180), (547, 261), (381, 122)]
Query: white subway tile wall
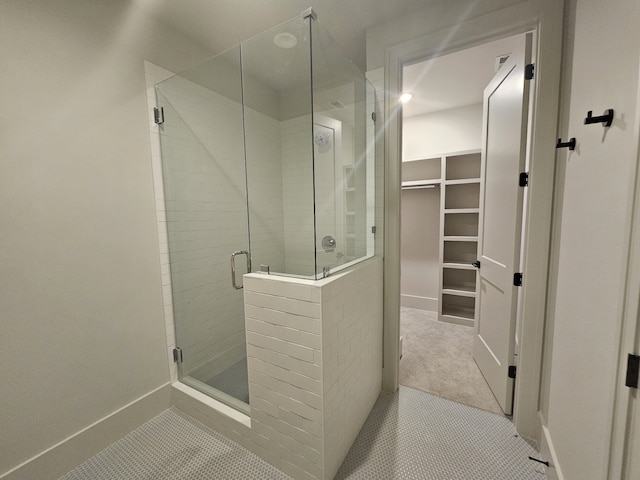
[(297, 181), (205, 198), (285, 369), (265, 186), (315, 363), (352, 357)]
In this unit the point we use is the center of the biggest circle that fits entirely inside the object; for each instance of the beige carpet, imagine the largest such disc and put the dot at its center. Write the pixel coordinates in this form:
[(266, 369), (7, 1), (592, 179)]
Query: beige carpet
[(437, 358)]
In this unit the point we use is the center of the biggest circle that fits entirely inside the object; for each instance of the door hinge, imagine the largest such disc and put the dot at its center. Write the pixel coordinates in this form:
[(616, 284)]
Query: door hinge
[(476, 264), (524, 179), (517, 279), (528, 71), (373, 116), (633, 366), (512, 371), (158, 115), (373, 229), (177, 355)]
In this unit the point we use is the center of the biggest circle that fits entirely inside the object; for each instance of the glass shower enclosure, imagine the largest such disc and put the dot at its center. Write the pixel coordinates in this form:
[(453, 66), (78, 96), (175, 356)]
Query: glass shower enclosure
[(268, 165)]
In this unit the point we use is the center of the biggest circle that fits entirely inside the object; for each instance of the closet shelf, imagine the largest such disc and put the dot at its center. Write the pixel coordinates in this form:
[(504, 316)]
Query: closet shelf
[(462, 181), (459, 291), (416, 184), (458, 266), (461, 210), (460, 238)]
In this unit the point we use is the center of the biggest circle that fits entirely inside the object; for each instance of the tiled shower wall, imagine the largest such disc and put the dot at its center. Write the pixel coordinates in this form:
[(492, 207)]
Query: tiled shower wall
[(204, 188), (206, 135), (297, 180), (351, 356)]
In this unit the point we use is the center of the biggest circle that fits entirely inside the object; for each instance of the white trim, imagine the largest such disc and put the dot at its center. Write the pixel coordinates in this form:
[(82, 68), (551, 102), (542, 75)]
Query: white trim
[(65, 455), (210, 402), (626, 404), (547, 451), (545, 17), (421, 303)]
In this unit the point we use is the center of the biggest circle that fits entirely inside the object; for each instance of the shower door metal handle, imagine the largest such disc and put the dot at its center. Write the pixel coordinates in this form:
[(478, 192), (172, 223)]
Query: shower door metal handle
[(233, 267)]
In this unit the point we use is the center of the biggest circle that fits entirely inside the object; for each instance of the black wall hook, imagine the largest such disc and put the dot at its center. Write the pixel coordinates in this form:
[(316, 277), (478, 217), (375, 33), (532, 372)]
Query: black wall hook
[(571, 144), (607, 118)]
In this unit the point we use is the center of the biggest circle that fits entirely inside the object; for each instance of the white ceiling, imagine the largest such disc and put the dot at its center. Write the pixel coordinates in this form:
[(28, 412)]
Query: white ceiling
[(449, 81), (221, 24), (453, 80)]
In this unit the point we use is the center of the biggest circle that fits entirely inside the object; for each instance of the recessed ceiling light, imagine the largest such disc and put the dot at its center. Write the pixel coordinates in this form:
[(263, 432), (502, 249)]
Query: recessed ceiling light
[(285, 40), (405, 97)]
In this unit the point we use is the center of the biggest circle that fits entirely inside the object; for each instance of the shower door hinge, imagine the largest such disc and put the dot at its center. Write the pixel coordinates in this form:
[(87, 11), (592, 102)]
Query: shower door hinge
[(373, 229), (177, 355), (512, 371), (528, 71), (373, 116), (326, 271), (158, 115), (633, 370)]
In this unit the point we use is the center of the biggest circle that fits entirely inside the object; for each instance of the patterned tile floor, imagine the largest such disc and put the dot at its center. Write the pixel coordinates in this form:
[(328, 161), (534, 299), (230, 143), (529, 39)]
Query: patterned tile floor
[(408, 435)]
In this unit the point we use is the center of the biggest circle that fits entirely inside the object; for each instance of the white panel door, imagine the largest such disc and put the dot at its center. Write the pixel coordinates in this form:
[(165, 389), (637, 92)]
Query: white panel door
[(503, 158)]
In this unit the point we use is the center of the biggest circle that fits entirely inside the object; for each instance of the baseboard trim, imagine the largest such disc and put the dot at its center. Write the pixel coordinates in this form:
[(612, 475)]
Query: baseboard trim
[(422, 303), (548, 453), (64, 456)]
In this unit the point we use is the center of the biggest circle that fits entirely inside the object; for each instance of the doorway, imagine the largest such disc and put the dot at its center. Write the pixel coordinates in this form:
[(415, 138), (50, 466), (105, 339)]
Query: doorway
[(442, 138)]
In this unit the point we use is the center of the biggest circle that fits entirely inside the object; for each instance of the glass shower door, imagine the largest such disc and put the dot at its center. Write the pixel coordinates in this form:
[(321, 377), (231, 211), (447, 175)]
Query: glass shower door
[(206, 210)]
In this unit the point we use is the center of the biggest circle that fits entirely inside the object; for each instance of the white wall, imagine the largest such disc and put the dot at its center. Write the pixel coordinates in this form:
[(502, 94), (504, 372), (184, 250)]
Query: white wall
[(446, 131), (420, 262), (82, 328), (595, 193)]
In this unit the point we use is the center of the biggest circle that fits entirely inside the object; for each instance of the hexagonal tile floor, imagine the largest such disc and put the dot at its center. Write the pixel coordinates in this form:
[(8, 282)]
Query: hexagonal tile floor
[(408, 435)]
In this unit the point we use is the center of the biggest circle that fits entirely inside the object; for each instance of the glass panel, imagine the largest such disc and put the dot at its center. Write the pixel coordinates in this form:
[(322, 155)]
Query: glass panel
[(205, 197), (277, 97), (343, 164)]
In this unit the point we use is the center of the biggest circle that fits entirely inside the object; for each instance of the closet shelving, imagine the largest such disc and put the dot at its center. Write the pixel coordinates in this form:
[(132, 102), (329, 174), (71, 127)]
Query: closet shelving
[(458, 177), (459, 217)]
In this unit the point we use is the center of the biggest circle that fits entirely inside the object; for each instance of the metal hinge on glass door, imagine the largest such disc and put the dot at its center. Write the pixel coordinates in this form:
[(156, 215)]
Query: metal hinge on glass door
[(177, 355)]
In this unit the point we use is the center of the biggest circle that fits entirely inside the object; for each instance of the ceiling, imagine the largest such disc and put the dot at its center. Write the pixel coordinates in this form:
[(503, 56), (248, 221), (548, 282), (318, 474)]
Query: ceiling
[(453, 80), (449, 81), (221, 24)]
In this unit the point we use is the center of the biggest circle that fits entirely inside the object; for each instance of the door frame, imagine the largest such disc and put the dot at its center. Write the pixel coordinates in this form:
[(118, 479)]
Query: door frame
[(627, 402), (545, 19)]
